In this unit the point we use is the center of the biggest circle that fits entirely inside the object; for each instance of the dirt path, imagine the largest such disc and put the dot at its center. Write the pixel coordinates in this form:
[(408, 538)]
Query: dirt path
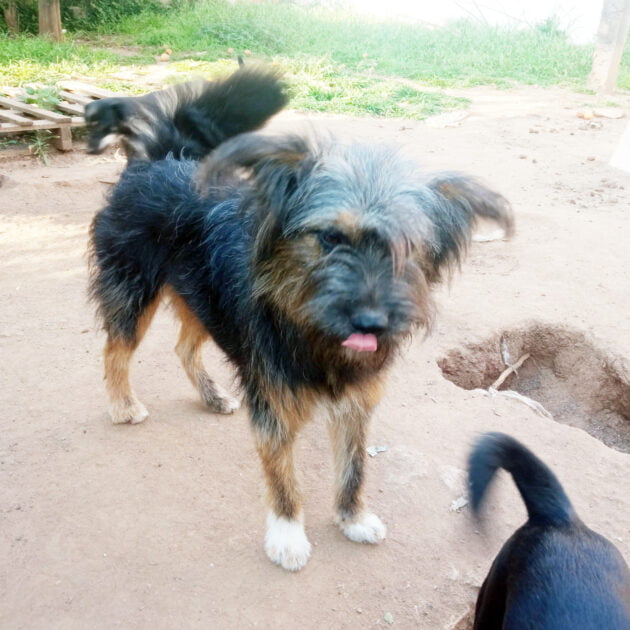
[(160, 525)]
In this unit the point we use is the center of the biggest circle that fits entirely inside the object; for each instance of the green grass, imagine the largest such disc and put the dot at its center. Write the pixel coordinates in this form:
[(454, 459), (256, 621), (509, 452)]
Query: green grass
[(335, 61), (461, 54), (33, 59)]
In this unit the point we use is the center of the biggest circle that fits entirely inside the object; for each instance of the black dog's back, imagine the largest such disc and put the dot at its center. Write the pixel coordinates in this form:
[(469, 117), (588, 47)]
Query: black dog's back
[(554, 573), (188, 120), (157, 231)]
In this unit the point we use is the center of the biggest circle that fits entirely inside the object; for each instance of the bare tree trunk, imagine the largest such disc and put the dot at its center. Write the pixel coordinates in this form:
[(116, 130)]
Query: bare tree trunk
[(611, 39), (50, 19), (11, 18)]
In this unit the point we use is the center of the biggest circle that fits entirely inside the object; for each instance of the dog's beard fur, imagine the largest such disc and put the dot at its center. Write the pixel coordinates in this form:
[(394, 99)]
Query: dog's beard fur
[(293, 253)]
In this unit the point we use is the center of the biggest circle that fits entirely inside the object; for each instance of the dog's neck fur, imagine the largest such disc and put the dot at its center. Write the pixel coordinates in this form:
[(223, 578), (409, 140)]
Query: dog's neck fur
[(310, 358)]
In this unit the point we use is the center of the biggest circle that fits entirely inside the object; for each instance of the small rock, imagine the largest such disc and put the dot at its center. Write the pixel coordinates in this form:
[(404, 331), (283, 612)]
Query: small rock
[(372, 451), (586, 114), (458, 504), (389, 618), (608, 112)]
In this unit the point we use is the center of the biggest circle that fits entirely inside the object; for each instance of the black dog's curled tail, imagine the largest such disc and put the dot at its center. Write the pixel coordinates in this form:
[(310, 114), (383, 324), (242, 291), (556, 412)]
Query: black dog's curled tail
[(544, 497), (242, 102)]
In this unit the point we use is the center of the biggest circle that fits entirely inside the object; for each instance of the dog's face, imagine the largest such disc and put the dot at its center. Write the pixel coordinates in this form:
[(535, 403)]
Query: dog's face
[(107, 120), (336, 257), (349, 239)]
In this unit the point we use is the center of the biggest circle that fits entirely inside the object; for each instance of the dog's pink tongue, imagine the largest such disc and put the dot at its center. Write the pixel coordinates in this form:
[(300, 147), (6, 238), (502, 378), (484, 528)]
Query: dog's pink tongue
[(361, 343)]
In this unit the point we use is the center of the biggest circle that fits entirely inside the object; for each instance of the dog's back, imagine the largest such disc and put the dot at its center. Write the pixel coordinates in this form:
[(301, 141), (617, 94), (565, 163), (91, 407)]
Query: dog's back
[(554, 573), (188, 120)]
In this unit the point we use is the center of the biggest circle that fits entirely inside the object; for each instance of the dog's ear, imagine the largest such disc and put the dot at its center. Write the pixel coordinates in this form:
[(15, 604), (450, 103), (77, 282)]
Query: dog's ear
[(105, 119), (455, 204)]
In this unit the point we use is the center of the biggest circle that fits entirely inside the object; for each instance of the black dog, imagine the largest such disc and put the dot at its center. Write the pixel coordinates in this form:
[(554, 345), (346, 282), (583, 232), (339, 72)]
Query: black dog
[(554, 573), (188, 120), (308, 262)]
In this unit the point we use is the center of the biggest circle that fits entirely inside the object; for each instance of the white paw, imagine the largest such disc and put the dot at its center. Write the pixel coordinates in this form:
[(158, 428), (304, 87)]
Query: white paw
[(365, 528), (229, 405), (216, 398), (132, 411), (286, 543)]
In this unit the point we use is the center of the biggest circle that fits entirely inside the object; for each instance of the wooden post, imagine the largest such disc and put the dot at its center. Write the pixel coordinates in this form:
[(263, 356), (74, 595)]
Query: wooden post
[(11, 18), (50, 19), (63, 141), (611, 38)]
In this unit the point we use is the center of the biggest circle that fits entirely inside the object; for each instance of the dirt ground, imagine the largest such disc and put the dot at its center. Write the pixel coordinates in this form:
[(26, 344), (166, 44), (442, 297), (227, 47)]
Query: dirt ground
[(160, 525)]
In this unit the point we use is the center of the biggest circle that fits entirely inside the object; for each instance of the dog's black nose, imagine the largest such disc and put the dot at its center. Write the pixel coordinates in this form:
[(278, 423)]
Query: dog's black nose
[(369, 321)]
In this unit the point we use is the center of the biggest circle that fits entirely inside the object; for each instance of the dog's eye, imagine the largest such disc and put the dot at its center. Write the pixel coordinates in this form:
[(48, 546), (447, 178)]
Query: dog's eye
[(329, 239)]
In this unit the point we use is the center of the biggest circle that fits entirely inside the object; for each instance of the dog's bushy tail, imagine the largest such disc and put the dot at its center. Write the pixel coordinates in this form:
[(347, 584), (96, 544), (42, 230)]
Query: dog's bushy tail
[(544, 497), (242, 102)]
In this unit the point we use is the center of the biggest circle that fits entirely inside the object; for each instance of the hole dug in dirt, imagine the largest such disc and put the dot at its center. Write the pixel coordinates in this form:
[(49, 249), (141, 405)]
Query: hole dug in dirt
[(575, 381)]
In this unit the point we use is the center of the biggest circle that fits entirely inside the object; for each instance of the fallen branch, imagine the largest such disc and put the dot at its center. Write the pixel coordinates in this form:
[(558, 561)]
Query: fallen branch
[(532, 404), (510, 369), (509, 393)]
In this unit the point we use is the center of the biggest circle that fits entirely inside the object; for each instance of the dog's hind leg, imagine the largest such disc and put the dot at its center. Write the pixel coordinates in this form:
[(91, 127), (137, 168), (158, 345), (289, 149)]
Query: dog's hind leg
[(347, 426), (124, 405), (191, 338)]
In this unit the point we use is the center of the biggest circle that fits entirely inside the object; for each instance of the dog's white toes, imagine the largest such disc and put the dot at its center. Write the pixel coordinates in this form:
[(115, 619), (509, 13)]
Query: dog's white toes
[(366, 528), (216, 398), (286, 543), (132, 411), (226, 405)]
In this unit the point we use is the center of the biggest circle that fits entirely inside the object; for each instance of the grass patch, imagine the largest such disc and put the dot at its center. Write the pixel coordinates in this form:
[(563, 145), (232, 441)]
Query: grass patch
[(461, 54), (34, 59), (320, 85)]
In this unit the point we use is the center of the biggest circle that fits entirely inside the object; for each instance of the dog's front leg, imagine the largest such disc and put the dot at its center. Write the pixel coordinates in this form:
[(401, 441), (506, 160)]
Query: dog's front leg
[(286, 543), (347, 427)]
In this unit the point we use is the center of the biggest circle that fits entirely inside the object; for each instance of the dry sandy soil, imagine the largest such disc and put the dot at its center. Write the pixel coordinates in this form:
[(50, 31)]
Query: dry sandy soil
[(160, 525)]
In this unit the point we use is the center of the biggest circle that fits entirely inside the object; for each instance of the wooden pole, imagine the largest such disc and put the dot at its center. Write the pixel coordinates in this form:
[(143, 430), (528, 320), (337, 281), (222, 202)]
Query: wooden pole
[(11, 18), (50, 19), (611, 39)]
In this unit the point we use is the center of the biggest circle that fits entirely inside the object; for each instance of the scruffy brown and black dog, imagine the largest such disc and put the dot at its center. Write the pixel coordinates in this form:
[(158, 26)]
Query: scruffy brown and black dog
[(308, 262), (554, 573)]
